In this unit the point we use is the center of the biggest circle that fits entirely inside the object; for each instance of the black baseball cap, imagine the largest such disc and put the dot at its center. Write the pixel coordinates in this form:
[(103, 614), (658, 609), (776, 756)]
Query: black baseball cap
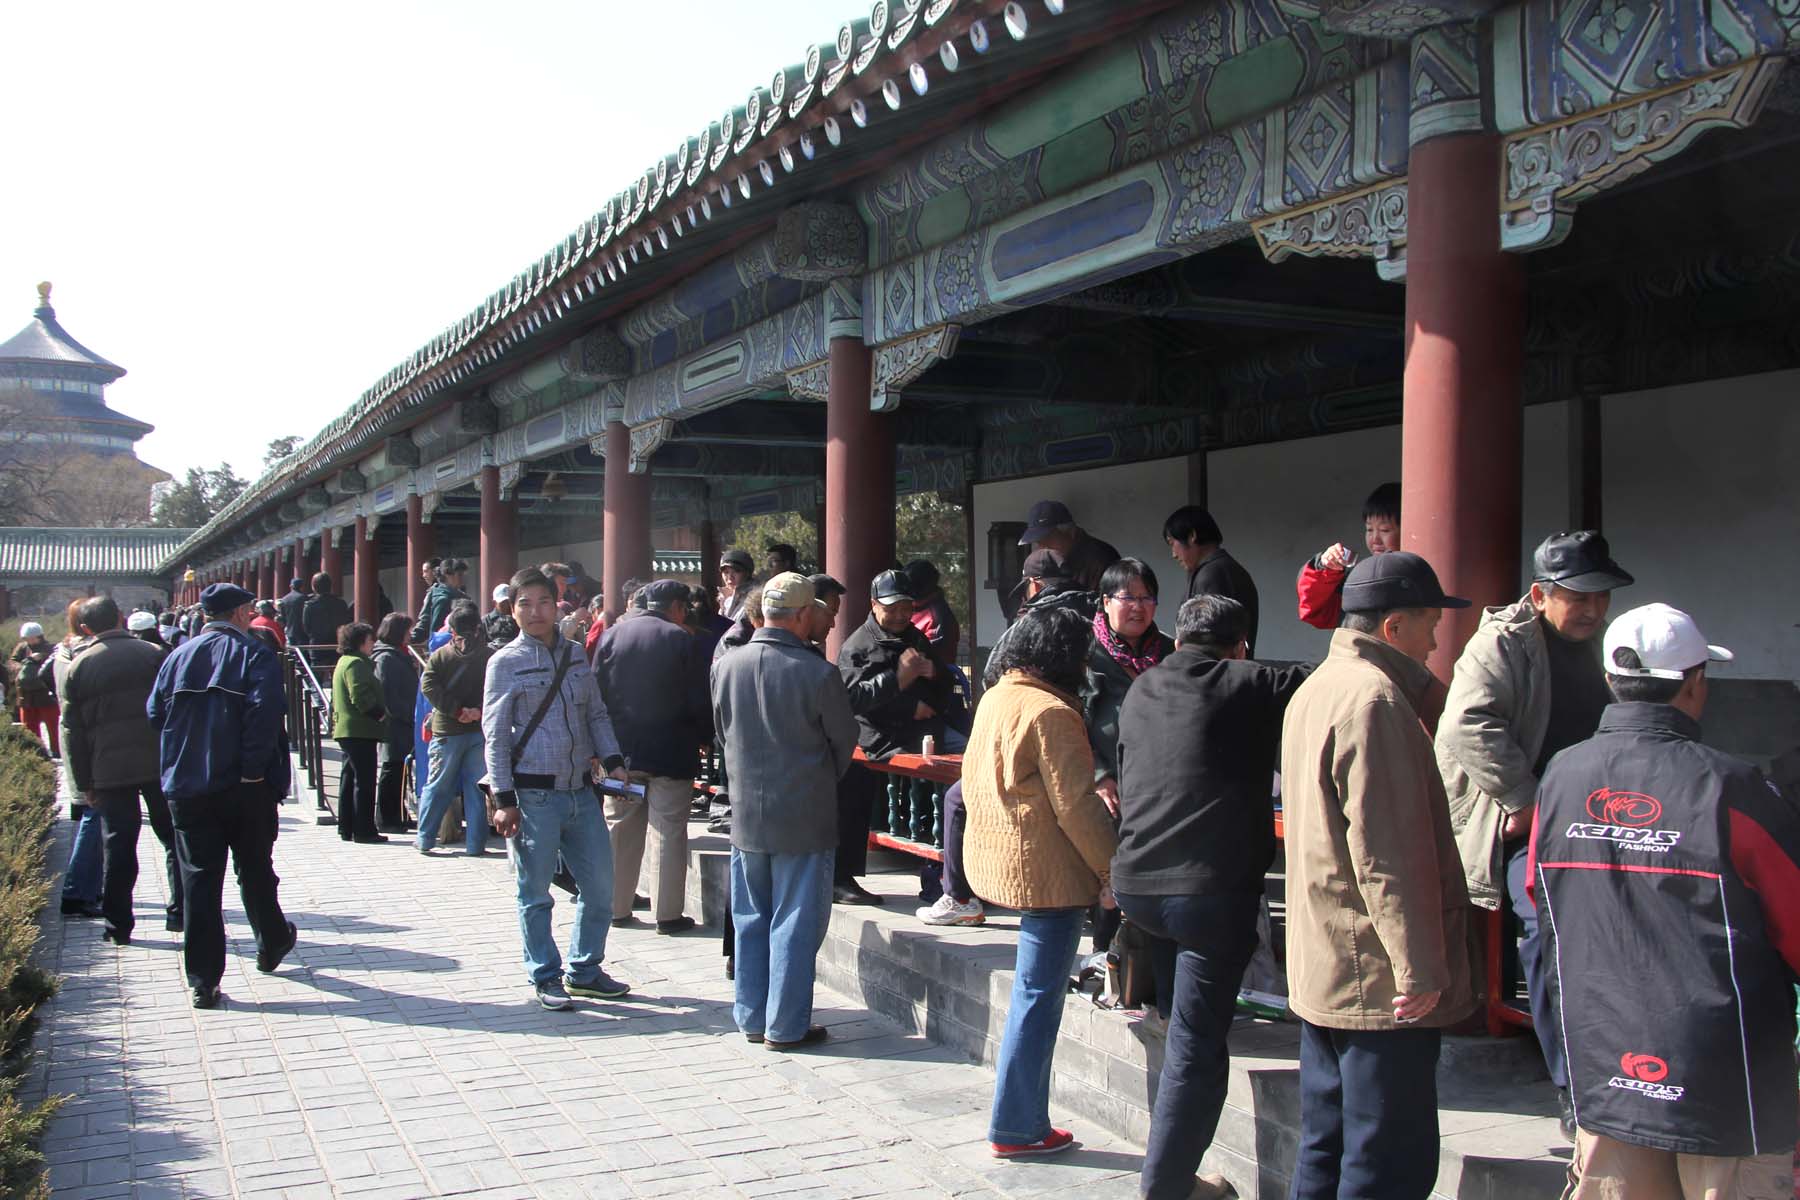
[(662, 593), (1046, 565), (737, 558), (1395, 580), (1579, 561), (1045, 515), (890, 586)]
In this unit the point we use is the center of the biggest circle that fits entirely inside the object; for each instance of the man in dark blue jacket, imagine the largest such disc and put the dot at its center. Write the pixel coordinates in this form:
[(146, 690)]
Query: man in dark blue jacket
[(218, 708), (653, 680), (1668, 875)]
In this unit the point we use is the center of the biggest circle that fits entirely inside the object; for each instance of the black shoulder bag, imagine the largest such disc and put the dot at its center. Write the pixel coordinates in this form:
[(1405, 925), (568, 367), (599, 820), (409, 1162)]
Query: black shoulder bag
[(537, 718)]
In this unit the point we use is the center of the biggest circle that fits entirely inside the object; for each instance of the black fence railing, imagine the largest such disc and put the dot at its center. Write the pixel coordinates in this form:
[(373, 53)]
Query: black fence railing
[(309, 717)]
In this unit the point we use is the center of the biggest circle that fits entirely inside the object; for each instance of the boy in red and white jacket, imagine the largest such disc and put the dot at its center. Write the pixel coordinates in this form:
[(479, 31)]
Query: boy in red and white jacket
[(1321, 582)]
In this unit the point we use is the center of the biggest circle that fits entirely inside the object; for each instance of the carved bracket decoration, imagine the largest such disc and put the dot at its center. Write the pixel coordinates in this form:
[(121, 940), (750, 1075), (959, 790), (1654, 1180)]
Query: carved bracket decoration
[(1549, 170), (646, 440), (811, 382), (597, 357), (371, 527), (1366, 224), (818, 242), (428, 504), (511, 474), (899, 363)]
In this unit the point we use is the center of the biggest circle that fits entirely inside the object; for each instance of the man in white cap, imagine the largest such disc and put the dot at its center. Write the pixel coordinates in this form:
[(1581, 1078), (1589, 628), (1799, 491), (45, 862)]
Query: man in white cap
[(498, 625), (1668, 875)]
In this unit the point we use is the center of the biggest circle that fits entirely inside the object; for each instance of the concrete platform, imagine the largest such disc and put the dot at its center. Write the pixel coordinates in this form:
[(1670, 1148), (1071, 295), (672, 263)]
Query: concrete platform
[(1496, 1111)]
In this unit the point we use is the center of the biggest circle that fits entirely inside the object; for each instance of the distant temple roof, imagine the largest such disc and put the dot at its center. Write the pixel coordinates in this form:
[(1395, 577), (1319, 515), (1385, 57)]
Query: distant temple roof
[(28, 554), (45, 341)]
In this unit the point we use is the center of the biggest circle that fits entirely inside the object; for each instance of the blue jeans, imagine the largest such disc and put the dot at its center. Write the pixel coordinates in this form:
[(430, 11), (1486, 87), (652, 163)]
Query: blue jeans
[(780, 906), (1544, 1021), (1215, 936), (568, 824), (87, 861), (1368, 1114), (1047, 941), (456, 763)]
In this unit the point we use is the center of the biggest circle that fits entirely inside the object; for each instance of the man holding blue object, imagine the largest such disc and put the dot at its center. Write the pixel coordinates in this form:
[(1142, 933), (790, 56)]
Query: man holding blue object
[(547, 735)]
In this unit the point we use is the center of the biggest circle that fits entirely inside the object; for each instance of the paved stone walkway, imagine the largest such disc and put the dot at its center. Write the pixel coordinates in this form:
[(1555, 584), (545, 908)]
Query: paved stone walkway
[(399, 1054)]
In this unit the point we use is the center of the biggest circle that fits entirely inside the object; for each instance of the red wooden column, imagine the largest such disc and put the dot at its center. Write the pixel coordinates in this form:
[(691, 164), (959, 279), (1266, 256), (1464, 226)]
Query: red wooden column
[(298, 563), (421, 544), (625, 529), (368, 572), (265, 576), (499, 536), (1462, 422), (331, 559), (859, 484)]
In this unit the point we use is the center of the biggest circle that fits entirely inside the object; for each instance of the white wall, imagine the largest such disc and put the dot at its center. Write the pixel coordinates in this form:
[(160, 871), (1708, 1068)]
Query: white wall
[(1701, 498)]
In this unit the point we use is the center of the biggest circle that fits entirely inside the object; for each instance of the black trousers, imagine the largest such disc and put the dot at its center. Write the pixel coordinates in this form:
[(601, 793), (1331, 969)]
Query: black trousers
[(858, 792), (121, 822), (242, 820), (356, 788), (1216, 936), (390, 813), (1368, 1114), (956, 819)]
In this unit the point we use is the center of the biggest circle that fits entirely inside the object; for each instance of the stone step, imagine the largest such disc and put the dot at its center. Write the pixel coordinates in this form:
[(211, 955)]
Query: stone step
[(1496, 1111)]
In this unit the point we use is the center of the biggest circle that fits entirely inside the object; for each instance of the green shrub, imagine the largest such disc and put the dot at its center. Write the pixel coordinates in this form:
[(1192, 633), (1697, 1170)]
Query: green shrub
[(27, 815)]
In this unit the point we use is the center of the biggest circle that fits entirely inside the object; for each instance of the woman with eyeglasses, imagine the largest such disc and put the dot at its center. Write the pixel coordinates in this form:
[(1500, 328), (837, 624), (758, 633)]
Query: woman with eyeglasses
[(1126, 644)]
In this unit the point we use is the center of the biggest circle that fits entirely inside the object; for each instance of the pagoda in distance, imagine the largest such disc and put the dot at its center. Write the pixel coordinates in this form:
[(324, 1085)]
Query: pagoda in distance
[(56, 388)]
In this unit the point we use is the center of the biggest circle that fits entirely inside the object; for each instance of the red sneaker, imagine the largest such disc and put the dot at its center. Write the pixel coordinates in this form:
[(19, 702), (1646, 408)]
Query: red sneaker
[(1058, 1140)]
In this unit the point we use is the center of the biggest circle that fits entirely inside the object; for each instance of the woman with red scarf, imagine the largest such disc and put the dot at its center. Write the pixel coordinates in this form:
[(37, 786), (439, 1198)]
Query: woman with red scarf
[(1126, 644)]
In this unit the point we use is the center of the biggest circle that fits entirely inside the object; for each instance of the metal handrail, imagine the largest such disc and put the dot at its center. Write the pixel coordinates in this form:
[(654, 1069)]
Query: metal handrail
[(309, 717)]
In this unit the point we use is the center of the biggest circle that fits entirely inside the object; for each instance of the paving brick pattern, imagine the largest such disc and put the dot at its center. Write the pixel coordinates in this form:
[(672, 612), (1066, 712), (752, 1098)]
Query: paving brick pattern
[(399, 1053)]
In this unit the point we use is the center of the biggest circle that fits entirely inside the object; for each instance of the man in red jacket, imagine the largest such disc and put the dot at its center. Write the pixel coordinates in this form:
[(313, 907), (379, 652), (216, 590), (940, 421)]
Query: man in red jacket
[(1668, 874)]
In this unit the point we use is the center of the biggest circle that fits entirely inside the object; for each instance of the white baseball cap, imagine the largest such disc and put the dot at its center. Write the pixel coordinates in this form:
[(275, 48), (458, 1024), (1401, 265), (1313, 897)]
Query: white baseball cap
[(502, 591), (1665, 639), (141, 622), (31, 629)]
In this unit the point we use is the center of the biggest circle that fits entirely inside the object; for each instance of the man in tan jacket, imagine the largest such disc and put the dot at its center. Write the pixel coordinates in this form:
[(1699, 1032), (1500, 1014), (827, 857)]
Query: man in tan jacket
[(1528, 685), (1378, 960)]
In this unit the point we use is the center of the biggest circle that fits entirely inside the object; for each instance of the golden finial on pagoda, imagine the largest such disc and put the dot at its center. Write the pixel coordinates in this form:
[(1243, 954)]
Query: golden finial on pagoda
[(44, 292)]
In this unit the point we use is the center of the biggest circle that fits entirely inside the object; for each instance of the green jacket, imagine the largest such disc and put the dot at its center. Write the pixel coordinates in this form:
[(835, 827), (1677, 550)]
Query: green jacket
[(356, 704)]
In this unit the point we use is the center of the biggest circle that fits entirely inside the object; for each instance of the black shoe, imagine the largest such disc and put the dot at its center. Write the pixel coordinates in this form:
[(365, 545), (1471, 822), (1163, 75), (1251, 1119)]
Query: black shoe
[(208, 997), (623, 922), (813, 1036), (368, 839), (731, 971), (116, 937), (268, 958), (675, 925), (1566, 1117), (174, 923), (640, 904), (853, 893), (81, 909)]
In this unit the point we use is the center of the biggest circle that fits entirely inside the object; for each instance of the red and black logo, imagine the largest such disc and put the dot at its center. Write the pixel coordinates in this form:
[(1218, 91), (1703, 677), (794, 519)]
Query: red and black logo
[(1632, 809), (1645, 1067)]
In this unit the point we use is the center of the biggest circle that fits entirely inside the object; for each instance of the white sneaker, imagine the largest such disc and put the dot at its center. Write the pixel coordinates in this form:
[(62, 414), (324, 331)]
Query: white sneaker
[(948, 912)]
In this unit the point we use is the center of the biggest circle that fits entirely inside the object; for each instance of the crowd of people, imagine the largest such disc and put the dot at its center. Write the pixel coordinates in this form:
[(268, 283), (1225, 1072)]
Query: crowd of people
[(1115, 777)]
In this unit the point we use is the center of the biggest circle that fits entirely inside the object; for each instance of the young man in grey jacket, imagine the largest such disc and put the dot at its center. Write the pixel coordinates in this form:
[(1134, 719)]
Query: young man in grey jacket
[(784, 717), (542, 781)]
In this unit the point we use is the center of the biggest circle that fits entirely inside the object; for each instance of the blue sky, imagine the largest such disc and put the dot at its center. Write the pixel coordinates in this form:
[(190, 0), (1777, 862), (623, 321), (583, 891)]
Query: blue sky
[(257, 210)]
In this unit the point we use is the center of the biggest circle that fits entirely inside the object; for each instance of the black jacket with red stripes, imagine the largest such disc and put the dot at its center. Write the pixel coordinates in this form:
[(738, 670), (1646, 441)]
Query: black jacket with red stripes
[(1667, 877)]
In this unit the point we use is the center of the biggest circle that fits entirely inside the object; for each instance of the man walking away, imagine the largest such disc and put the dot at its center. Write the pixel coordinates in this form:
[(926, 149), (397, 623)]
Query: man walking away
[(1195, 542), (323, 616), (1196, 753), (1669, 877), (453, 682), (1528, 684), (1378, 961), (547, 737), (653, 681), (785, 720), (113, 758), (218, 709), (293, 613)]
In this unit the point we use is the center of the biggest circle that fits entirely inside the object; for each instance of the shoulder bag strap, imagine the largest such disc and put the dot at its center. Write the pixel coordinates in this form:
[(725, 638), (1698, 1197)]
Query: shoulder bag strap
[(537, 718)]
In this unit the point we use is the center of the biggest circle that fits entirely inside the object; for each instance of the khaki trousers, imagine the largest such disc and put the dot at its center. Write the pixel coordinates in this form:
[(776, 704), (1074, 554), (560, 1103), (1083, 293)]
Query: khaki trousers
[(1607, 1169), (664, 809)]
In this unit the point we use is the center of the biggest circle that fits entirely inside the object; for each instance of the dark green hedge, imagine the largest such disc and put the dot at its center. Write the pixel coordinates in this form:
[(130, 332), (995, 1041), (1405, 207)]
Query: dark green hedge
[(27, 815)]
